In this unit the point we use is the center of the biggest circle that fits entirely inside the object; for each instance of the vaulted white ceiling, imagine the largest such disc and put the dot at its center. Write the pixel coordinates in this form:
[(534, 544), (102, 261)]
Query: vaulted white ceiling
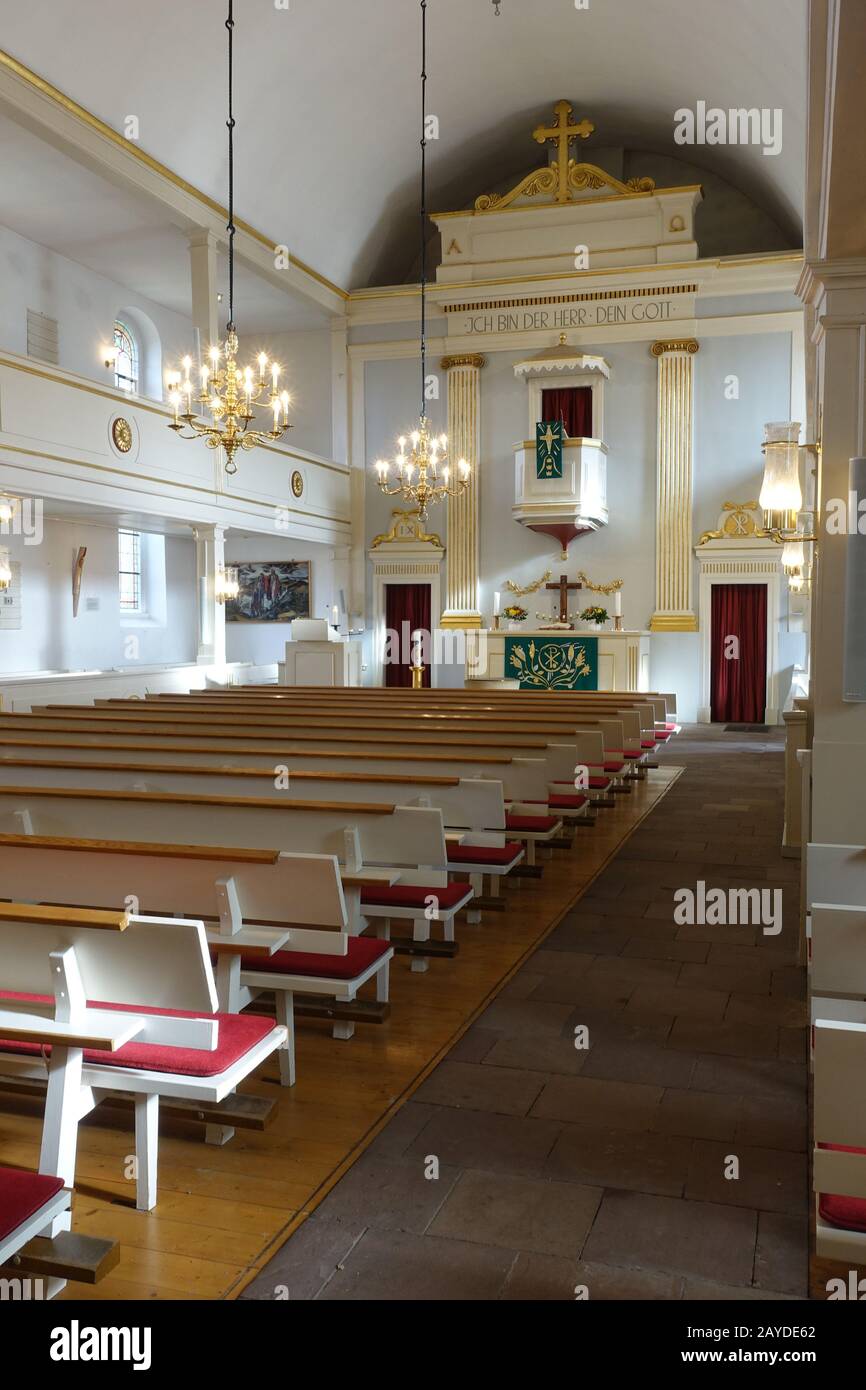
[(326, 97)]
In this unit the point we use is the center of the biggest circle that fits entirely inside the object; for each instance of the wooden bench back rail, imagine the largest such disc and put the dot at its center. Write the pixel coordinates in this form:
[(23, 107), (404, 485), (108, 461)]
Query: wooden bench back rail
[(312, 718), (664, 703), (316, 712), (355, 833), (291, 888), (620, 731), (464, 803), (364, 732)]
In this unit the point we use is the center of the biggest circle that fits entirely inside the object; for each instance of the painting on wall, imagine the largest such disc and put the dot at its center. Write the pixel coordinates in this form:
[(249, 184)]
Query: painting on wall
[(271, 592)]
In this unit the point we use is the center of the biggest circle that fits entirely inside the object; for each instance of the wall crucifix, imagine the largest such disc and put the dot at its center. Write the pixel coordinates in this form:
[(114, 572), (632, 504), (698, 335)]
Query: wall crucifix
[(563, 586)]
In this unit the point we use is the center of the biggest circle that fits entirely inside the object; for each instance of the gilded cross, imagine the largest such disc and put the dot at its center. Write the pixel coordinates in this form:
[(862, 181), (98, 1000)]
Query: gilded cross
[(563, 586), (563, 133), (549, 438)]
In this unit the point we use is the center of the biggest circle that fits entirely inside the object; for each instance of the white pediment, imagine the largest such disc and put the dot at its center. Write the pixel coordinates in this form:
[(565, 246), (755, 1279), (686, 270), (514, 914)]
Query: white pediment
[(568, 215)]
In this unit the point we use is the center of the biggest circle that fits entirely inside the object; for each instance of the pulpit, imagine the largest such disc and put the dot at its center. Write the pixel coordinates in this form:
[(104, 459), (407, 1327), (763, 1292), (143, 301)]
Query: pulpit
[(319, 655)]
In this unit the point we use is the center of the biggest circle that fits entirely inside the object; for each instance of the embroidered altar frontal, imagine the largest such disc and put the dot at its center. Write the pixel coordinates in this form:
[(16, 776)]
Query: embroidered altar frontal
[(569, 662)]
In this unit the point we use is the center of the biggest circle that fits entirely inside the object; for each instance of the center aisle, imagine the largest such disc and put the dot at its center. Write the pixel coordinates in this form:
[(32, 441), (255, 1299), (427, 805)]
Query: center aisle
[(526, 1168)]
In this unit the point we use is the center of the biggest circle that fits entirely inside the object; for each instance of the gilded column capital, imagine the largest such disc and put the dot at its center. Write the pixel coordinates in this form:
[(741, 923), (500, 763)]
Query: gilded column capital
[(690, 345), (463, 359)]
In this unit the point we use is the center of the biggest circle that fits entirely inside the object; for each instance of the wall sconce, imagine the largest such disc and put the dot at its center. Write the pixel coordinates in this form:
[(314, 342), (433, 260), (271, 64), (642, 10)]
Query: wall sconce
[(5, 570), (781, 498), (109, 356), (227, 584), (7, 509)]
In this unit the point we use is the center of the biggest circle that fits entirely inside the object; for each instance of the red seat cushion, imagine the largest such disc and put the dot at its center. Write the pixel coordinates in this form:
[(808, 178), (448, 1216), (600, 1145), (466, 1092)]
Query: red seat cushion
[(416, 895), (671, 728), (540, 824), (21, 1196), (563, 802), (647, 743), (238, 1033), (363, 952), (614, 766), (662, 734), (485, 854), (847, 1212), (627, 754)]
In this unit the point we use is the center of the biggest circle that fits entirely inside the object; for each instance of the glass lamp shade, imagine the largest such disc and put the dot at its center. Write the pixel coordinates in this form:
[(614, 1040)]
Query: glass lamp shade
[(5, 570), (227, 584), (793, 557), (780, 491), (6, 510)]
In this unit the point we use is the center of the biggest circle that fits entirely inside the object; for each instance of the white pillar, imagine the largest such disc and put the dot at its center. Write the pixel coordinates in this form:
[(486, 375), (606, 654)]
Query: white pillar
[(674, 611), (464, 441), (209, 560), (203, 276)]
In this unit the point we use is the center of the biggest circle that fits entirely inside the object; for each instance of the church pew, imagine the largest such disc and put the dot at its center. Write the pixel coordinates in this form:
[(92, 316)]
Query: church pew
[(279, 920), (473, 805), (39, 1252), (154, 1029), (470, 741), (470, 733), (361, 835)]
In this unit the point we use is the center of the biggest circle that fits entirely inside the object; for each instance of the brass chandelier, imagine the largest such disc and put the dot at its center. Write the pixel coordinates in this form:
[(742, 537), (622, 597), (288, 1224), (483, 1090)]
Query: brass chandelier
[(230, 394), (428, 453)]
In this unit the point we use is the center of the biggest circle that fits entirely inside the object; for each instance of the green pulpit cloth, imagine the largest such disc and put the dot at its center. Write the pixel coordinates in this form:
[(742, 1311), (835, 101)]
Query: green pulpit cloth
[(548, 449), (568, 662)]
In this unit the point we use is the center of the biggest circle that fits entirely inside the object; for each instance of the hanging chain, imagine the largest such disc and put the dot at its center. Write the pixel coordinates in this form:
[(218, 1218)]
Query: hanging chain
[(230, 225), (423, 218)]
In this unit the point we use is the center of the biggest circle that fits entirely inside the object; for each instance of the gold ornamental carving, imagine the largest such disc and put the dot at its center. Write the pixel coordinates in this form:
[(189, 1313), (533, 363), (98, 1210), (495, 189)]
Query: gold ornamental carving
[(741, 521), (297, 483), (564, 177), (690, 345), (463, 359), (121, 435), (406, 529)]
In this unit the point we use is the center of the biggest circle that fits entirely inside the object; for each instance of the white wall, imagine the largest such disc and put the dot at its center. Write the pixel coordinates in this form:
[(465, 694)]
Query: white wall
[(727, 467), (305, 358), (329, 572), (50, 638), (85, 305)]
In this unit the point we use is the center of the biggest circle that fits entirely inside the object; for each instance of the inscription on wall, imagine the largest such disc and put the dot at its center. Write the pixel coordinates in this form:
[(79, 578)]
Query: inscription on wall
[(606, 314)]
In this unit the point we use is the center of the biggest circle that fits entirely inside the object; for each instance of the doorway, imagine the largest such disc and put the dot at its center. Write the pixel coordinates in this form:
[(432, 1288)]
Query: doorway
[(738, 653), (407, 610)]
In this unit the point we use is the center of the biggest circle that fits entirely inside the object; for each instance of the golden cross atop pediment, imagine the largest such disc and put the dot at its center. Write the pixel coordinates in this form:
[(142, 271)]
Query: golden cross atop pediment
[(563, 133), (565, 178)]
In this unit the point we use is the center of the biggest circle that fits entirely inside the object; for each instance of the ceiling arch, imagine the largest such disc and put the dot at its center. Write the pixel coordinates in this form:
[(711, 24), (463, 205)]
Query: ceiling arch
[(326, 97)]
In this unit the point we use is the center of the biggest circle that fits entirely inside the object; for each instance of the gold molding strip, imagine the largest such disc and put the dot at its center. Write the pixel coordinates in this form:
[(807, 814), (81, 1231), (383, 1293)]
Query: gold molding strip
[(81, 113), (547, 207), (585, 296)]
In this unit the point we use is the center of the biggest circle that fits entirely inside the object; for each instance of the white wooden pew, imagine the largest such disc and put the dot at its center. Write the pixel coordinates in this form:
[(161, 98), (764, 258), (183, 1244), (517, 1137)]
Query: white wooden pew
[(116, 1004), (278, 923)]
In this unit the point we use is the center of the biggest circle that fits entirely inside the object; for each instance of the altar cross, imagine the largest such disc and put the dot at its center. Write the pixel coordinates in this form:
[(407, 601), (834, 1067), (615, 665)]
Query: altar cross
[(563, 133), (563, 586)]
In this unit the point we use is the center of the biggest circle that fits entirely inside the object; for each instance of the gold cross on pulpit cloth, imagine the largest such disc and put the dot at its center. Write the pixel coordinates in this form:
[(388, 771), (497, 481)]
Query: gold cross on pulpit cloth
[(563, 133), (548, 437), (563, 587)]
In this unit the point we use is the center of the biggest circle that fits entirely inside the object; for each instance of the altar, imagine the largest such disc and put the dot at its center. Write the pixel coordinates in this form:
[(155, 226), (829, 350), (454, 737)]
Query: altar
[(556, 659)]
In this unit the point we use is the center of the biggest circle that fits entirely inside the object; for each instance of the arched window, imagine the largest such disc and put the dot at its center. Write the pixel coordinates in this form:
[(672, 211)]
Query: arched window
[(125, 359)]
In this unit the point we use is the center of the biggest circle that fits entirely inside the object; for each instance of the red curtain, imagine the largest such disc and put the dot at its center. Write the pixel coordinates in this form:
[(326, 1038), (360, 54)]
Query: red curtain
[(573, 406), (739, 668), (407, 609)]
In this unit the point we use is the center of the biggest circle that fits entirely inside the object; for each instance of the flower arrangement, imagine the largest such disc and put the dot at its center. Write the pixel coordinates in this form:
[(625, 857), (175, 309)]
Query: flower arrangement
[(514, 613), (595, 614)]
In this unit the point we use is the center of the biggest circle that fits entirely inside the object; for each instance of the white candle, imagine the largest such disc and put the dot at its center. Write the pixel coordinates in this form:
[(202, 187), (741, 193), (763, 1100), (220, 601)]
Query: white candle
[(496, 604), (617, 604), (335, 615)]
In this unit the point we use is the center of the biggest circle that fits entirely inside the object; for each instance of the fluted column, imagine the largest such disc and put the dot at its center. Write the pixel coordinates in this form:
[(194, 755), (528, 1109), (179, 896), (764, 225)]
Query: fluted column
[(673, 611), (464, 441)]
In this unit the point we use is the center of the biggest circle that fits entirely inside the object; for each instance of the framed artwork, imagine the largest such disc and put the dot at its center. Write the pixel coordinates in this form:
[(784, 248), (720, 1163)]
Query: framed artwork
[(271, 592)]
